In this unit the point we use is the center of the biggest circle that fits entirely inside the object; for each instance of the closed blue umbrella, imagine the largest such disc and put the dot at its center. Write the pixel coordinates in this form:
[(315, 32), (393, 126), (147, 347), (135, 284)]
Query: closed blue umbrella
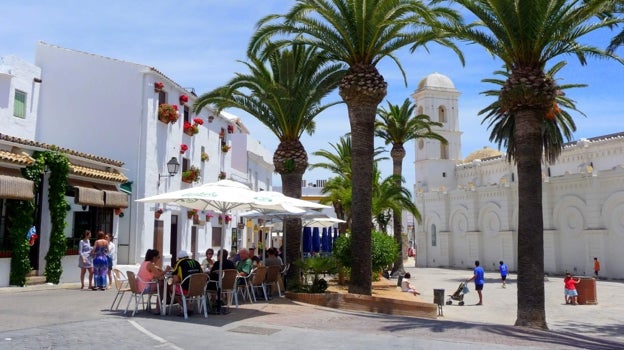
[(335, 236), (307, 239), (316, 240), (325, 240)]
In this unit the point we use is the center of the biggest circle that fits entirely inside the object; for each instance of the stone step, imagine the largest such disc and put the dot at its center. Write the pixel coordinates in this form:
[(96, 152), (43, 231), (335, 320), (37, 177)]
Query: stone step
[(33, 280)]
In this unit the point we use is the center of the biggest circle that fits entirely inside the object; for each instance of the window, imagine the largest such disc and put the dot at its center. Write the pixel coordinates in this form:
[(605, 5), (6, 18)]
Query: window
[(434, 238), (162, 97), (187, 114), (19, 105), (444, 154), (441, 114)]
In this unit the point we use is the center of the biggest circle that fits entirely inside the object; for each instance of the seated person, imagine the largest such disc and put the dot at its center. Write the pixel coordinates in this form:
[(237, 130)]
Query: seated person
[(214, 271), (148, 272), (273, 258), (245, 265), (184, 267), (406, 286), (208, 262), (256, 262)]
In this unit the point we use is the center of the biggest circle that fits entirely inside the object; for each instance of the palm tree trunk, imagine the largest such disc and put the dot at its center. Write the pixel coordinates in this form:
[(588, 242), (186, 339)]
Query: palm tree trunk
[(531, 300), (291, 186), (397, 170)]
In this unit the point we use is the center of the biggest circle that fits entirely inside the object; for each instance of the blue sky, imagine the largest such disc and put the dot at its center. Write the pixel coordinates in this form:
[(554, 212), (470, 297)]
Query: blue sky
[(197, 43)]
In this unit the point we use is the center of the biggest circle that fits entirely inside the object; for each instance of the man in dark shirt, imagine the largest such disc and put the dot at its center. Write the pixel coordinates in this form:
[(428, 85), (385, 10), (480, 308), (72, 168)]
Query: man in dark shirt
[(184, 267)]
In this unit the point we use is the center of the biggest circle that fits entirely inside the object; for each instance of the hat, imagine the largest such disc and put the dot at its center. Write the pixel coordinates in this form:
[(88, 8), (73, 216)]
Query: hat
[(183, 254)]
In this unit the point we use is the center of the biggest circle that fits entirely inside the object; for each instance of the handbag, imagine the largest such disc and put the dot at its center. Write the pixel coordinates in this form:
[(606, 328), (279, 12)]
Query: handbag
[(466, 290)]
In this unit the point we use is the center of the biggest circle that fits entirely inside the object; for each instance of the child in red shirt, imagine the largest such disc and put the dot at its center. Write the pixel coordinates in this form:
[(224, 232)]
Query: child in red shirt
[(570, 288)]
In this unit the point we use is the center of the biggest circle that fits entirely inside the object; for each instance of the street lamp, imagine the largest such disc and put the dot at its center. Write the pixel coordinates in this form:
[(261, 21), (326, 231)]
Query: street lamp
[(172, 168)]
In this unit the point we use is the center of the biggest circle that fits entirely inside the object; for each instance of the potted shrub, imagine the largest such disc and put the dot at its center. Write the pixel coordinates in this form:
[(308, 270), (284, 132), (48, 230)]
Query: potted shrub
[(225, 148), (191, 213), (191, 175), (158, 213), (190, 129), (222, 175), (159, 86), (167, 113), (204, 156)]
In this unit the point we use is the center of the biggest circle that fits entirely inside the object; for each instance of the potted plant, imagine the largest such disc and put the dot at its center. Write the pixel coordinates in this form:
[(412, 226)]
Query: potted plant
[(118, 211), (210, 118), (222, 175), (204, 156), (209, 216), (158, 213), (221, 134), (228, 218), (220, 219), (190, 129), (158, 86), (191, 213), (230, 129), (183, 148), (198, 121), (225, 148), (167, 113), (183, 99), (191, 175)]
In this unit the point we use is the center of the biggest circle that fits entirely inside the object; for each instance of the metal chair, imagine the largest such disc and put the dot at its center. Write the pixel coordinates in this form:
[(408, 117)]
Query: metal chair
[(138, 295), (196, 292), (121, 285)]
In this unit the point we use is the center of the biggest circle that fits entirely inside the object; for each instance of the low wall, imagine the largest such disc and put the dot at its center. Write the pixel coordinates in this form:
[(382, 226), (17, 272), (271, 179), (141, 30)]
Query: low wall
[(5, 270), (357, 302)]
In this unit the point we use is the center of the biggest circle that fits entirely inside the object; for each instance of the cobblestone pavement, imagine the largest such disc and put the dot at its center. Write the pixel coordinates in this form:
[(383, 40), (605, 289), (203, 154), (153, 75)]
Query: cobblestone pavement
[(60, 317)]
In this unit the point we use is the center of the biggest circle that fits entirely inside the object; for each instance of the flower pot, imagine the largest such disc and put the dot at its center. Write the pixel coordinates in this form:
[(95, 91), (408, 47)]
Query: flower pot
[(157, 215), (163, 118), (187, 180), (189, 132), (210, 119)]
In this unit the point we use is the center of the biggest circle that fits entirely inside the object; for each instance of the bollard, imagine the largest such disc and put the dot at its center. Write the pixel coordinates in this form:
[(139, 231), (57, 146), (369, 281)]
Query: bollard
[(438, 298)]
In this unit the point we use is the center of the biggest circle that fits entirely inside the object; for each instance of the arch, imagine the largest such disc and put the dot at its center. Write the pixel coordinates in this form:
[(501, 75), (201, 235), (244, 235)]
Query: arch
[(489, 218), (613, 213), (442, 114), (459, 220), (568, 215)]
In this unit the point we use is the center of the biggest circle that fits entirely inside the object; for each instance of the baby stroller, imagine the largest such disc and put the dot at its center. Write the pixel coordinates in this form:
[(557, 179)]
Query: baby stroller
[(458, 295)]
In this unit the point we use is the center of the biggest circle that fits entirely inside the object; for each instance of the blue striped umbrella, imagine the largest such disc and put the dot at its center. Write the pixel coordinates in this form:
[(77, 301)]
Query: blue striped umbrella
[(316, 240), (307, 239)]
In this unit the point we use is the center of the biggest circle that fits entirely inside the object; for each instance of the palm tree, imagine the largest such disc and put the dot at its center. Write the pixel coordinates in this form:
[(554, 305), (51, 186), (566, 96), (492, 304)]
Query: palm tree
[(557, 128), (526, 35), (396, 126), (284, 93), (390, 198), (339, 188), (359, 34)]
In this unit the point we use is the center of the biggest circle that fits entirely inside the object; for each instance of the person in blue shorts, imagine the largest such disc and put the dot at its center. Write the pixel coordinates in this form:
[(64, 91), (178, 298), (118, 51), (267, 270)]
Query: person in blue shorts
[(503, 271), (479, 280)]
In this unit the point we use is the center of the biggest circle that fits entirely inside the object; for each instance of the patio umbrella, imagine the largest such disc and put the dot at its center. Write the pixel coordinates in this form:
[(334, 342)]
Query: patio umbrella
[(335, 237), (316, 240), (307, 240), (325, 241)]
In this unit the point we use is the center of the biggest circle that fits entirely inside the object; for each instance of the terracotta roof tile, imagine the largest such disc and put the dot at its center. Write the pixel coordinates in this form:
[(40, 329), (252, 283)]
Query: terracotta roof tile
[(60, 149), (98, 174), (15, 158)]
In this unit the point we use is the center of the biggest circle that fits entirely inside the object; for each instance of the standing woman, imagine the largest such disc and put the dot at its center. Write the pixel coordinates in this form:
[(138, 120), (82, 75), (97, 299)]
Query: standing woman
[(100, 260), (112, 257), (84, 259)]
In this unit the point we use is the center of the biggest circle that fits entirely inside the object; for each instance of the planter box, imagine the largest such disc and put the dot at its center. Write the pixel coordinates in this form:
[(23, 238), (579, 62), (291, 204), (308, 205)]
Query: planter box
[(357, 302)]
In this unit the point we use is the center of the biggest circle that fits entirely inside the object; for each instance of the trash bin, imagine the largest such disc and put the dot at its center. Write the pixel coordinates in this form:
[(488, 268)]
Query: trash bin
[(438, 298), (586, 289)]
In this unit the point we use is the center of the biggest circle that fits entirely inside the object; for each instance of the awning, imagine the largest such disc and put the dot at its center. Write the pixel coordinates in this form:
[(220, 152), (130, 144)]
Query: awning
[(115, 199), (89, 196), (12, 187)]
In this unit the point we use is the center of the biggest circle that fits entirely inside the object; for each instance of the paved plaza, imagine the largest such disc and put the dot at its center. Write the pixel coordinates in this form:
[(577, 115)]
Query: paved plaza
[(65, 317)]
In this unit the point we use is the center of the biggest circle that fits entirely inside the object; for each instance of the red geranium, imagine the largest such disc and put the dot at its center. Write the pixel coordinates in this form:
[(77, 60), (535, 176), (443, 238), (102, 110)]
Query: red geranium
[(159, 85), (183, 99), (199, 121), (183, 148)]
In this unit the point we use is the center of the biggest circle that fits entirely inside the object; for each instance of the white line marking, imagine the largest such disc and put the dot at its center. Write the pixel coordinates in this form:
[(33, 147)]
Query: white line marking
[(153, 336)]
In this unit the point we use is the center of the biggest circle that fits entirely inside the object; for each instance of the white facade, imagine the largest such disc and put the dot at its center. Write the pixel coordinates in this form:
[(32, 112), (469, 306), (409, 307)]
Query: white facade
[(19, 79), (109, 106), (473, 214)]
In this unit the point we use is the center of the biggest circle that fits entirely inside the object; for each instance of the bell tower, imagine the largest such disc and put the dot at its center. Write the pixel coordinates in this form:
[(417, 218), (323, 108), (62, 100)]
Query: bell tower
[(437, 97)]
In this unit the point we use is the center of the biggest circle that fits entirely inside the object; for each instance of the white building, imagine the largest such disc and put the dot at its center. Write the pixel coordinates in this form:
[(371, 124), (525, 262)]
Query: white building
[(470, 206), (19, 99), (108, 106)]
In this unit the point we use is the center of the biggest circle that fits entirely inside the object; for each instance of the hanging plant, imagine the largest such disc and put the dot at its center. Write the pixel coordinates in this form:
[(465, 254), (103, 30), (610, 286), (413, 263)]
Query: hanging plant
[(210, 119), (167, 113), (158, 86), (191, 129), (191, 213), (191, 175), (230, 129), (225, 148), (228, 219), (205, 156), (183, 148), (183, 99), (158, 213), (222, 175)]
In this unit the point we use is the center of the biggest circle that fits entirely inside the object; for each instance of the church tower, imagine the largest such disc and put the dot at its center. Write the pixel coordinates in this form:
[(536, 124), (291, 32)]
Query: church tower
[(437, 97)]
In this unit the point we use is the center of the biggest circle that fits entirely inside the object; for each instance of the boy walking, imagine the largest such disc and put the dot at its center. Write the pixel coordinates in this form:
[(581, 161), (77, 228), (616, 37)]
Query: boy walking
[(503, 271)]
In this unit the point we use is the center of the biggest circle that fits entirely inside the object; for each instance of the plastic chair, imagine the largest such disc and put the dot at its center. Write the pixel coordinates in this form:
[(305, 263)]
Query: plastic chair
[(257, 281), (138, 295), (196, 292), (273, 276), (121, 285)]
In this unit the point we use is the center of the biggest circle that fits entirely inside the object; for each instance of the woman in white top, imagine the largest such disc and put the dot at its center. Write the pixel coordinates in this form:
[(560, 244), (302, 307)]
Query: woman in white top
[(112, 257)]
